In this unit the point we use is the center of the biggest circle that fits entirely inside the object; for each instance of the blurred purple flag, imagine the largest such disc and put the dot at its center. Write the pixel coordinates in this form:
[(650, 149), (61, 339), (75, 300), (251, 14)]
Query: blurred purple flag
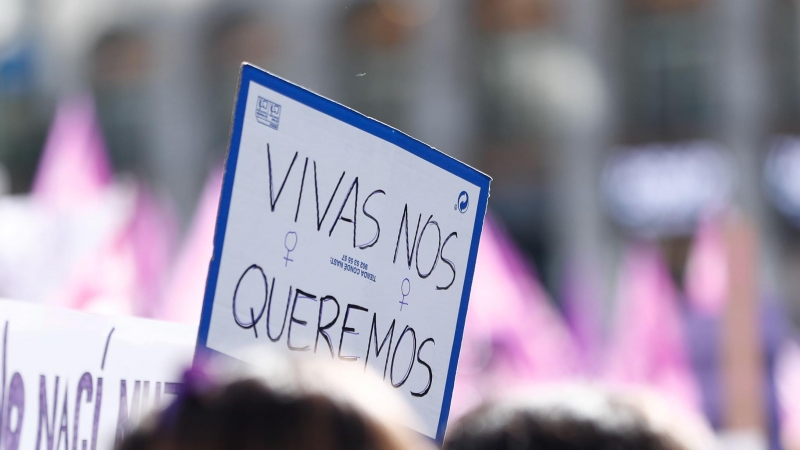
[(151, 233), (124, 271), (74, 166), (649, 344), (584, 316), (184, 295), (512, 334), (787, 383), (127, 273), (706, 278)]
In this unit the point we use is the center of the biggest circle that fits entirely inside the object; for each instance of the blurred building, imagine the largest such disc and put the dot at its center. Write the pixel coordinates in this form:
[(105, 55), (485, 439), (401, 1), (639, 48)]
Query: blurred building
[(680, 101)]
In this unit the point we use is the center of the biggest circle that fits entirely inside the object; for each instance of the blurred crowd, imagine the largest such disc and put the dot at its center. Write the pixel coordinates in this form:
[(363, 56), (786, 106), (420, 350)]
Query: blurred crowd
[(286, 403), (643, 226)]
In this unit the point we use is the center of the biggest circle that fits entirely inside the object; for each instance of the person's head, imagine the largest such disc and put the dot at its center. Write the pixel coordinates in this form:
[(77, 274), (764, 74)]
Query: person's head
[(577, 418), (296, 406), (488, 428)]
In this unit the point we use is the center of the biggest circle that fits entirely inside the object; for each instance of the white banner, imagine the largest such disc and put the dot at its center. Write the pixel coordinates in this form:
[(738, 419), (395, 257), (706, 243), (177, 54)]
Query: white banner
[(76, 381)]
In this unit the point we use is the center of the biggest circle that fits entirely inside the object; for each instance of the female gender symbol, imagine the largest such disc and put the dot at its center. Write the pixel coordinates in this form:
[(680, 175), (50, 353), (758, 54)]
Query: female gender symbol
[(405, 289), (286, 245)]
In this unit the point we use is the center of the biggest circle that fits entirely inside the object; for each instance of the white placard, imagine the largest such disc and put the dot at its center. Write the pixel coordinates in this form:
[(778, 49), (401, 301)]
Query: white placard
[(70, 380), (340, 236)]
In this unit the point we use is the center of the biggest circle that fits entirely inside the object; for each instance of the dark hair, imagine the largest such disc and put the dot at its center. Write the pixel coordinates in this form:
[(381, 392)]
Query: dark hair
[(247, 414), (494, 428)]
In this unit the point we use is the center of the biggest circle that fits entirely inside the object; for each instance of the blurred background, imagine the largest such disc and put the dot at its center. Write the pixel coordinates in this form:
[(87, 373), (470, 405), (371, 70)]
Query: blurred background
[(644, 223)]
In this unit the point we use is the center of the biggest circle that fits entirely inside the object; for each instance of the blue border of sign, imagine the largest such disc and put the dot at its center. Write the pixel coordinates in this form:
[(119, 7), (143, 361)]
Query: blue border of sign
[(340, 112)]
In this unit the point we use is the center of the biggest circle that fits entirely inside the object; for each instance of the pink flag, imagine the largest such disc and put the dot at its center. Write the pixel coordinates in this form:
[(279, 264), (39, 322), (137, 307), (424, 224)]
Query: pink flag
[(706, 278), (512, 333), (127, 273), (649, 344), (184, 295), (584, 316), (787, 384), (152, 232), (74, 166)]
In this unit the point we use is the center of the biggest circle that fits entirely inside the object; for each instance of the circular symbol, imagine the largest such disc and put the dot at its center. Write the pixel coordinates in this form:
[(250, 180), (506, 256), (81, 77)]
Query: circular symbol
[(290, 237), (405, 289), (463, 202)]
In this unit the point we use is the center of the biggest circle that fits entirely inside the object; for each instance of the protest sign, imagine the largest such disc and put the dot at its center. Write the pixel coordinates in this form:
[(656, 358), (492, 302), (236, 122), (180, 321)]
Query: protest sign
[(340, 236), (81, 381)]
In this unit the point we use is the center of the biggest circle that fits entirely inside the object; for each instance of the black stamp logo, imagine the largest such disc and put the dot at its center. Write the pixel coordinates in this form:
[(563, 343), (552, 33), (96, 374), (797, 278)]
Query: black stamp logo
[(268, 113)]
